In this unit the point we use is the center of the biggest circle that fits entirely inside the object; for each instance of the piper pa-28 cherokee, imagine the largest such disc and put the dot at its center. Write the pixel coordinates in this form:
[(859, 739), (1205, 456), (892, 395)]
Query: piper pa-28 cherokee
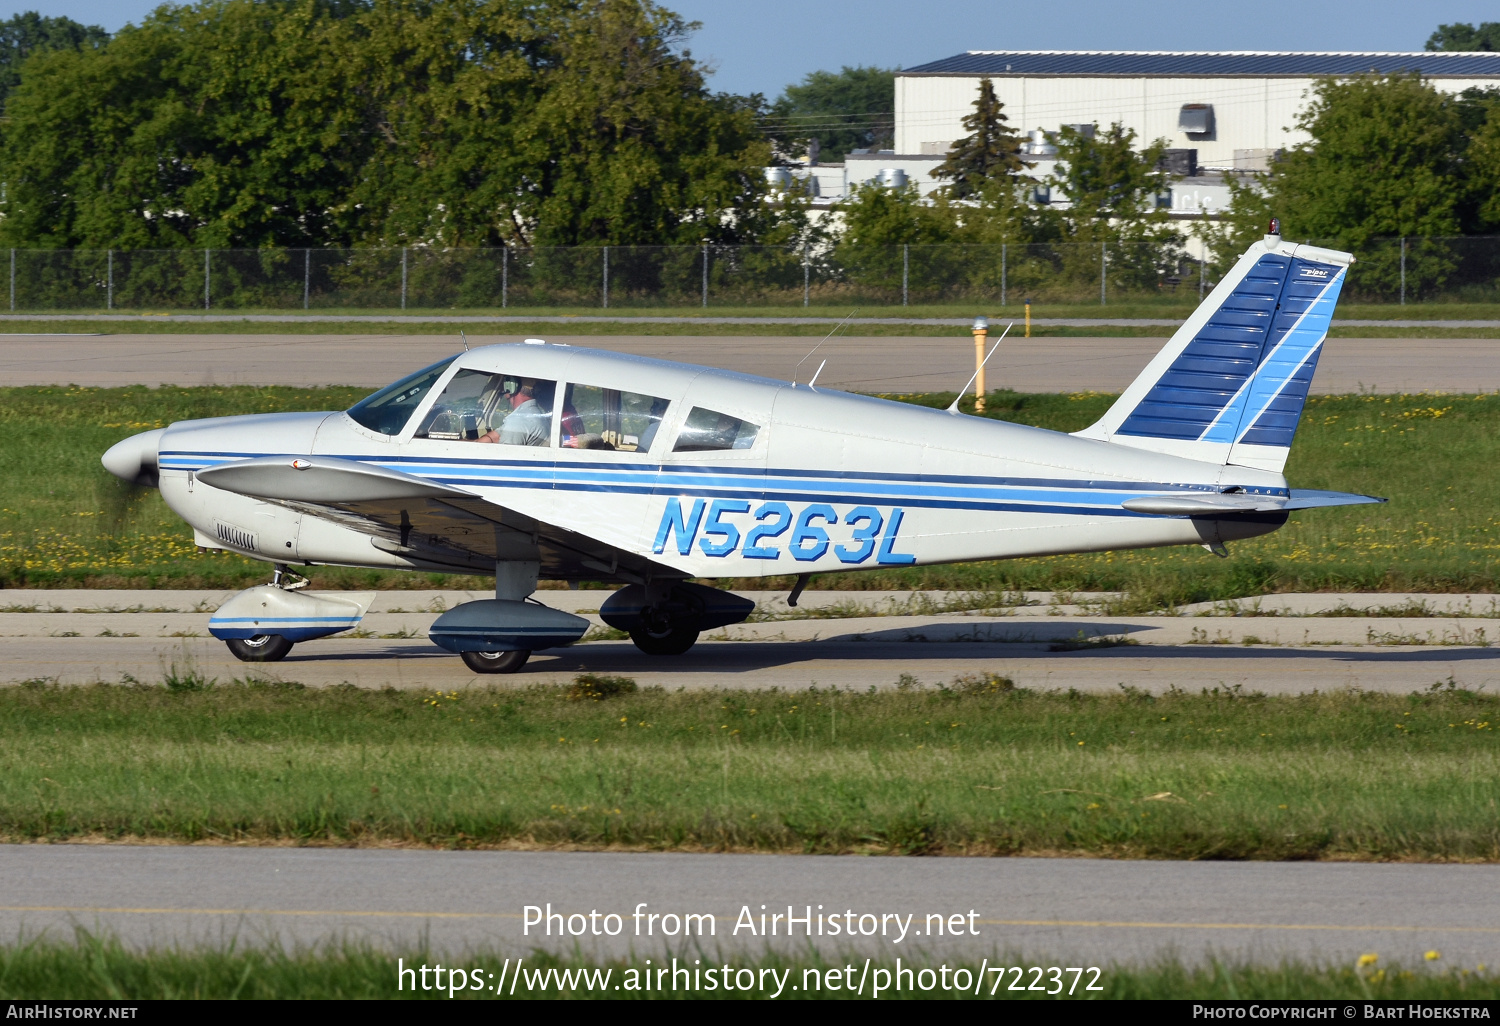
[(547, 462)]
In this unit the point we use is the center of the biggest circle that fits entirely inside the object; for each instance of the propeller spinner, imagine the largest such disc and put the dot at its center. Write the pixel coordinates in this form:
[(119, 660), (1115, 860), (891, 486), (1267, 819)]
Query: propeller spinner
[(134, 459)]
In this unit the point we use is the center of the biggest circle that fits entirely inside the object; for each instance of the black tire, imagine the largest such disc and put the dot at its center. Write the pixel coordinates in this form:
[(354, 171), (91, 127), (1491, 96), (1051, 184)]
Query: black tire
[(263, 648), (496, 662), (673, 641)]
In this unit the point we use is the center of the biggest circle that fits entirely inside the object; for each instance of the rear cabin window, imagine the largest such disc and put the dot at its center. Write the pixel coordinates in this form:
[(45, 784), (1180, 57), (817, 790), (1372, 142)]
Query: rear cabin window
[(608, 419), (708, 430)]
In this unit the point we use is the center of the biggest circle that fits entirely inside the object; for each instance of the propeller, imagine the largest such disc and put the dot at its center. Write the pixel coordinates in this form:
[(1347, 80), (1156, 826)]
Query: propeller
[(134, 462)]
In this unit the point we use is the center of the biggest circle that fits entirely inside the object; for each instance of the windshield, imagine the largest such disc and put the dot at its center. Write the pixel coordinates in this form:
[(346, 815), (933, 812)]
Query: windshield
[(388, 410)]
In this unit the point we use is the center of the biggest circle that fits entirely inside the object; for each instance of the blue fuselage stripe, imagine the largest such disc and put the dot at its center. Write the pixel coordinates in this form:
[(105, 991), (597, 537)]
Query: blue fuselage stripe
[(1012, 495)]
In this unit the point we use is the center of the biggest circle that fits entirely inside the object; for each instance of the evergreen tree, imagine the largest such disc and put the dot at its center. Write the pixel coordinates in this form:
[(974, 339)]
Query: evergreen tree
[(990, 150)]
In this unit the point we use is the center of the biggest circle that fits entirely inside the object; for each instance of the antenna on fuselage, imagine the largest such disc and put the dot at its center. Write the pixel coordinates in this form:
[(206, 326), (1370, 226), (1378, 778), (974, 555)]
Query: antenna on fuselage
[(964, 391), (465, 338), (815, 348)]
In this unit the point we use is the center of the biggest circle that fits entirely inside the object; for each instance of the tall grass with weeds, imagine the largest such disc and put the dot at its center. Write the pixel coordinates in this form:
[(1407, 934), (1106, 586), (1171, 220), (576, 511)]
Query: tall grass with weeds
[(973, 766), (96, 967)]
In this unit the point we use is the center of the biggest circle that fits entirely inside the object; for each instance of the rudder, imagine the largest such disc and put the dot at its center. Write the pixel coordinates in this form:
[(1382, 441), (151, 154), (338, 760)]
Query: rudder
[(1230, 385)]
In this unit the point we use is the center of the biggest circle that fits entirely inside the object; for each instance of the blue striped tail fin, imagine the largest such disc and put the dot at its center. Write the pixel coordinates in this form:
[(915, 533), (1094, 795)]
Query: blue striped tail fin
[(1230, 385)]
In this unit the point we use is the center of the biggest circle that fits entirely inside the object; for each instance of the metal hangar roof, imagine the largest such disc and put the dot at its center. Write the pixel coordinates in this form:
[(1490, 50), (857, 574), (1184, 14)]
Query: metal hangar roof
[(1236, 63)]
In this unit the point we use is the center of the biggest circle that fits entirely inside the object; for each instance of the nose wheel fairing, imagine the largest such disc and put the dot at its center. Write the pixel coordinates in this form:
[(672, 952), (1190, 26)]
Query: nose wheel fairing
[(293, 615)]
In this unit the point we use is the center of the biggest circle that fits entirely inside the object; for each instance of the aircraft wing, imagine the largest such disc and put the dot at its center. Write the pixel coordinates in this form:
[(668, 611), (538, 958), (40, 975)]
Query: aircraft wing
[(435, 525)]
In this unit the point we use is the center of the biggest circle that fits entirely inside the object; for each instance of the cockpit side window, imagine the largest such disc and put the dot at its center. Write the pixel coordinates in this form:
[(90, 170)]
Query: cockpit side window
[(478, 406), (388, 410), (605, 418), (707, 430)]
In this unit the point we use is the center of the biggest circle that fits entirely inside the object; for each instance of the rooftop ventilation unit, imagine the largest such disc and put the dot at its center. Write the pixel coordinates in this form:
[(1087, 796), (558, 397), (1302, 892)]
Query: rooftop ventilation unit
[(1040, 145), (1196, 118)]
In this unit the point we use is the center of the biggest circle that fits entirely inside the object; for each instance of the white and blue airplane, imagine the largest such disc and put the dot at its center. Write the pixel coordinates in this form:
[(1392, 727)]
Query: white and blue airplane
[(537, 461)]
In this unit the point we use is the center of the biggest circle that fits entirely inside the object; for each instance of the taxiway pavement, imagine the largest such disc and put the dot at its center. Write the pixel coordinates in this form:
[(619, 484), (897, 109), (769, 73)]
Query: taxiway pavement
[(1066, 912), (864, 364), (1284, 644)]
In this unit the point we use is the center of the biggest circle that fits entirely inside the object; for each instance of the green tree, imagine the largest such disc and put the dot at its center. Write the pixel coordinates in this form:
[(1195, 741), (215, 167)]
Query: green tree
[(222, 125), (27, 33), (1107, 180), (1462, 36), (334, 122), (990, 150), (627, 145), (1386, 158), (854, 108), (1112, 190)]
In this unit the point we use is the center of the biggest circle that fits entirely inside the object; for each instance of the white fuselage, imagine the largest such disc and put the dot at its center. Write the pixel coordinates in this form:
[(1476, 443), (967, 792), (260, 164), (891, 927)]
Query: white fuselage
[(832, 482)]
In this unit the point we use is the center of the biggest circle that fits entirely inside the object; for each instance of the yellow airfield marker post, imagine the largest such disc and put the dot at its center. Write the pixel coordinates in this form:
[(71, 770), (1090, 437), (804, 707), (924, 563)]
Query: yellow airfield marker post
[(981, 333)]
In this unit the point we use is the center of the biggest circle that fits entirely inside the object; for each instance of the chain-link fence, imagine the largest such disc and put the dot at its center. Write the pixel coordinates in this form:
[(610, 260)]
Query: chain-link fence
[(616, 277), (1419, 270), (604, 277)]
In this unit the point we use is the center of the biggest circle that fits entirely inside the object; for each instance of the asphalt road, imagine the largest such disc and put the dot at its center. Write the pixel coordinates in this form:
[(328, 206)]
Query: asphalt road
[(858, 364), (78, 637), (1015, 910)]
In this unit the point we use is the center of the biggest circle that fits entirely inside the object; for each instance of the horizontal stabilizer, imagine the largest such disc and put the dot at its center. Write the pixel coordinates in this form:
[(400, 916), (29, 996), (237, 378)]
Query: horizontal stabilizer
[(1313, 498), (1202, 506), (1225, 503)]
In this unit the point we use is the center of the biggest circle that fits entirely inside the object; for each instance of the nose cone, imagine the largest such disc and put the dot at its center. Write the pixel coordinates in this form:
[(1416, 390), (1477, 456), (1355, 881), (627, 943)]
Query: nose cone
[(134, 459)]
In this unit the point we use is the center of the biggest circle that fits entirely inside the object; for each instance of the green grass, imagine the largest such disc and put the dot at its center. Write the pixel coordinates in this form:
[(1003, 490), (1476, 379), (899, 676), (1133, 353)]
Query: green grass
[(64, 522), (94, 968), (972, 767)]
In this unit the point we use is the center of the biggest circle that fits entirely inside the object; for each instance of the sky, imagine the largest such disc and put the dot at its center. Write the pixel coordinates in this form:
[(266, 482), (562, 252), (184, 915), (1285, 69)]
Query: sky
[(764, 45)]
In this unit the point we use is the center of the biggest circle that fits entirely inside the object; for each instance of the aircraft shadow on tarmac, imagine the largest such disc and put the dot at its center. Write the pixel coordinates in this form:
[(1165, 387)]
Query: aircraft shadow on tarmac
[(941, 641)]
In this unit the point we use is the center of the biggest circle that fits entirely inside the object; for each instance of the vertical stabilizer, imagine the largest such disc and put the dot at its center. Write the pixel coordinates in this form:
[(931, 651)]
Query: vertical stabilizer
[(1230, 385)]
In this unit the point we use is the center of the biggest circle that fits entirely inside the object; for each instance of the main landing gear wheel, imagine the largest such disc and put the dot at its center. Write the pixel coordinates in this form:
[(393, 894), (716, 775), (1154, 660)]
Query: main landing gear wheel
[(671, 641), (496, 662), (263, 648)]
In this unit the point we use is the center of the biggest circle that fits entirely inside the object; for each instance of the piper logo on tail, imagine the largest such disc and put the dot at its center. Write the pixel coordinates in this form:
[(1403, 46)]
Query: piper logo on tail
[(775, 529)]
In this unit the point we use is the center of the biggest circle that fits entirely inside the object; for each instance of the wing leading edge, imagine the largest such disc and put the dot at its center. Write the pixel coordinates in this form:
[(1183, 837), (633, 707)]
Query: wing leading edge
[(434, 525)]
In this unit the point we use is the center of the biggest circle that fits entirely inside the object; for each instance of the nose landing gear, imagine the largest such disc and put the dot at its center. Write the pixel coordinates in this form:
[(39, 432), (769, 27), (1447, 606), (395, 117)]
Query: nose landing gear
[(261, 624), (261, 648)]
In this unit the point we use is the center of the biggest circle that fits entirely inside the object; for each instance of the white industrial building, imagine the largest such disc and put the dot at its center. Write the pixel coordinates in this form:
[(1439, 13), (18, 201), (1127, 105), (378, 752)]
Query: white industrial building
[(1220, 112), (1234, 108)]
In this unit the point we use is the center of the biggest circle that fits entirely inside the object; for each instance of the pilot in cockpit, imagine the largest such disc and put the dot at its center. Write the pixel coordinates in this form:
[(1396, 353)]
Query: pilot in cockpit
[(530, 419)]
